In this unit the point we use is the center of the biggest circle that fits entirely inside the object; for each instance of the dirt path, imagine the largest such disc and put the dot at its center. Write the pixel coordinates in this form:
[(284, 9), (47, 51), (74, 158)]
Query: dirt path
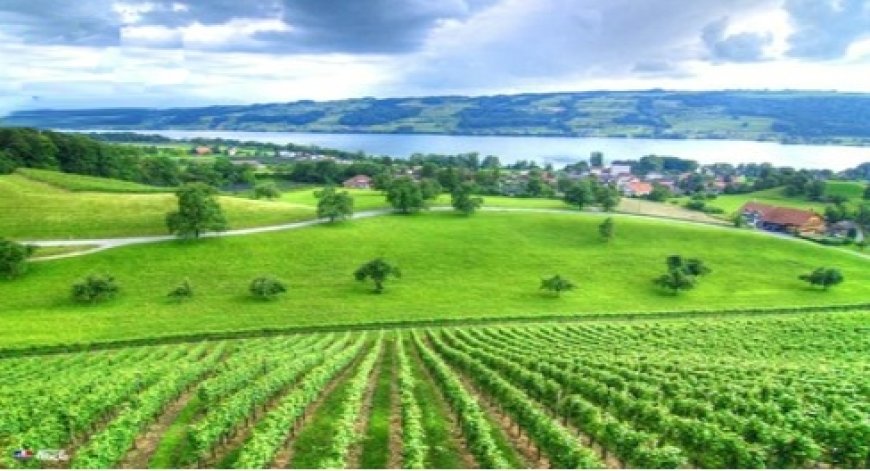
[(468, 459), (147, 443), (395, 443), (365, 413), (285, 455)]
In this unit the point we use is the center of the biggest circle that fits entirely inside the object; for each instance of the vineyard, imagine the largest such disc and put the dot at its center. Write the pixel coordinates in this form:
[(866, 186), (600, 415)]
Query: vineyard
[(780, 391)]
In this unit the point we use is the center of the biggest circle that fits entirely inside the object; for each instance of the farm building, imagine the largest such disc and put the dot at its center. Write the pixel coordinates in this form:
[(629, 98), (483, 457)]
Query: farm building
[(777, 218), (360, 182)]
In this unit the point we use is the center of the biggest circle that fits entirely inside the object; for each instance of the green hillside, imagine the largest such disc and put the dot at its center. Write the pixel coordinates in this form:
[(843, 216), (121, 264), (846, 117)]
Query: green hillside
[(453, 267), (808, 117), (75, 182), (776, 197), (34, 209)]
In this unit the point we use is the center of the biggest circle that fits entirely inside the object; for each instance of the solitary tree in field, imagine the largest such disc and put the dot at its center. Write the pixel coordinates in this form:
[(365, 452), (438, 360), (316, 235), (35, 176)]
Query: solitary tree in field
[(682, 274), (181, 292), (405, 195), (557, 284), (607, 230), (266, 288), (823, 277), (94, 288), (13, 258), (676, 280), (268, 190), (378, 270), (198, 211), (607, 196), (333, 205), (464, 201)]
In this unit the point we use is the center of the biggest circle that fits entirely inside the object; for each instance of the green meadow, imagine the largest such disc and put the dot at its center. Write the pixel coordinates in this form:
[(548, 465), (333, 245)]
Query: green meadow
[(775, 196), (454, 267), (48, 209)]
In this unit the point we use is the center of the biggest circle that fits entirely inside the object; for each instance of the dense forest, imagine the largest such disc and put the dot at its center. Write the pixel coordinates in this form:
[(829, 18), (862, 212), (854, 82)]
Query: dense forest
[(791, 117)]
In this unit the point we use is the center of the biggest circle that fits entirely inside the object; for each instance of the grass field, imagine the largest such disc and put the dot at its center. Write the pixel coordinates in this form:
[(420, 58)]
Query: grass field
[(488, 265), (74, 182), (774, 196), (36, 210), (777, 392)]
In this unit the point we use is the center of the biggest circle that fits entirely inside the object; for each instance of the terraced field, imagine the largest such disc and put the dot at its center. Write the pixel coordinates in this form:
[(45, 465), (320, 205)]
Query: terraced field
[(777, 391)]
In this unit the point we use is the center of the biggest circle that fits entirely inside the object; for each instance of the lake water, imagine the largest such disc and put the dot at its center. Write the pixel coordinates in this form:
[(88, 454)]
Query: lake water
[(559, 150)]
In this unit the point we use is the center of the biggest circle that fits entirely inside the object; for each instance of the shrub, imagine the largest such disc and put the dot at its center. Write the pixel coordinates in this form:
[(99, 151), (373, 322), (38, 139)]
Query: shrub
[(266, 288), (13, 258), (182, 291), (95, 288)]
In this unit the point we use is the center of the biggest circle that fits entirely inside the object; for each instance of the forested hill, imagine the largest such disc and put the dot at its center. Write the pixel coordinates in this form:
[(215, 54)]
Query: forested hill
[(794, 117)]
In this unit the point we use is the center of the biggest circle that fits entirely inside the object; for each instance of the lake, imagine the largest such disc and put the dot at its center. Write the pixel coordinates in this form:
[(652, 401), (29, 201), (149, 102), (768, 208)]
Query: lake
[(559, 150)]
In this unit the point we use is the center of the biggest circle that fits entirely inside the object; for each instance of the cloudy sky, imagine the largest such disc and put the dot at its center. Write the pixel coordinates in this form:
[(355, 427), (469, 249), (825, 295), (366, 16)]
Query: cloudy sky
[(163, 53)]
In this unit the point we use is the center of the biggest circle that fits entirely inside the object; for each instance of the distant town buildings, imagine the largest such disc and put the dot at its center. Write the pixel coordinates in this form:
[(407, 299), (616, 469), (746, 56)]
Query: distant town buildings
[(359, 182)]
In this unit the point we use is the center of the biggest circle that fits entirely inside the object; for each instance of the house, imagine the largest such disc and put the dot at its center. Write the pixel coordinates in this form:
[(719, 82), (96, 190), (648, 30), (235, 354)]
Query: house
[(637, 188), (202, 150), (232, 151), (776, 218), (620, 169), (360, 182)]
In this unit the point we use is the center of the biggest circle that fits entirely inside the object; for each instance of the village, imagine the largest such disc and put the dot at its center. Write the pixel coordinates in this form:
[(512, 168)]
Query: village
[(661, 179)]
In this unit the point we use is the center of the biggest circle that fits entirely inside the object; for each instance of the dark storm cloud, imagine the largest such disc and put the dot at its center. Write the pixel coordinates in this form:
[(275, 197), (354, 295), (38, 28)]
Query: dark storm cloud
[(826, 28), (740, 47), (75, 23), (317, 26), (372, 26)]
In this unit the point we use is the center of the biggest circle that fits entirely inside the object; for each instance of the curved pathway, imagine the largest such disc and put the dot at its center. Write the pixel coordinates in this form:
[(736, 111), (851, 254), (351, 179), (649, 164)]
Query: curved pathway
[(99, 245)]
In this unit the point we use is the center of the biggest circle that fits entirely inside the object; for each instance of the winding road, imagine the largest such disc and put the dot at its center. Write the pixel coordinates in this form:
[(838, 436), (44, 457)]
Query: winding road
[(98, 245)]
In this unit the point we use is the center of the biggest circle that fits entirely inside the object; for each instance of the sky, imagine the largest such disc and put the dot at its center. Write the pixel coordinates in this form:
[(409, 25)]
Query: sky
[(170, 53)]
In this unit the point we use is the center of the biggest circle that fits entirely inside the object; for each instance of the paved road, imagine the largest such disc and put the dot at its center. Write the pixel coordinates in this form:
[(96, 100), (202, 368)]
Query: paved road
[(98, 245)]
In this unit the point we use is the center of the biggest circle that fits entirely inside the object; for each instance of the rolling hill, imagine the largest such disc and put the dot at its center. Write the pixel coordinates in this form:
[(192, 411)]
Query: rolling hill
[(792, 117), (453, 267)]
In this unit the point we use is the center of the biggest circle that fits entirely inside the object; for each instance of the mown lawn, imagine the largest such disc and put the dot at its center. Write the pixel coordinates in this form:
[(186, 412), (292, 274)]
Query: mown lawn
[(38, 210), (454, 267)]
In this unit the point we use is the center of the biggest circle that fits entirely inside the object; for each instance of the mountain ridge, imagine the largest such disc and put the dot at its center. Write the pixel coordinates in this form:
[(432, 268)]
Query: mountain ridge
[(813, 117)]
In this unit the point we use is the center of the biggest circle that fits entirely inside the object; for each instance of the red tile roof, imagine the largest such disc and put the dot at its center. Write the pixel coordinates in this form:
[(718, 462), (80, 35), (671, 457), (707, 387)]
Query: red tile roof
[(780, 215), (640, 187)]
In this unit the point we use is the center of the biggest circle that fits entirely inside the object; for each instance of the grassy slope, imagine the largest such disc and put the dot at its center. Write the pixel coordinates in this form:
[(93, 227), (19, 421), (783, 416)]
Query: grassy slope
[(774, 196), (37, 210), (488, 265), (73, 182)]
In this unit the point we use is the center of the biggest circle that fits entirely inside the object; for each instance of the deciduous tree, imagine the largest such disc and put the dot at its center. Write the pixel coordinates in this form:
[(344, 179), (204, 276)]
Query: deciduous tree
[(823, 277), (463, 200), (95, 288), (333, 205), (266, 288), (557, 285), (405, 195), (13, 258), (378, 270), (607, 229), (198, 211)]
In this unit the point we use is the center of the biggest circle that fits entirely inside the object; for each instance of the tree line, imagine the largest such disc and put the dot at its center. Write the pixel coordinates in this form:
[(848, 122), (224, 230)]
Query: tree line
[(80, 154)]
